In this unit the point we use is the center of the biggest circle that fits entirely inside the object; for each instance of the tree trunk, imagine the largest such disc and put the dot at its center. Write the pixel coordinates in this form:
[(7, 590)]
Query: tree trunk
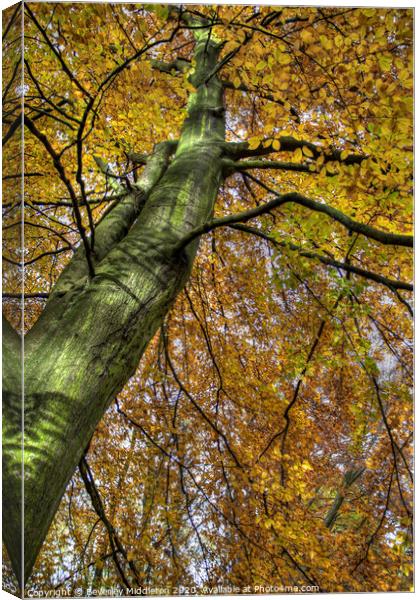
[(92, 334), (12, 445)]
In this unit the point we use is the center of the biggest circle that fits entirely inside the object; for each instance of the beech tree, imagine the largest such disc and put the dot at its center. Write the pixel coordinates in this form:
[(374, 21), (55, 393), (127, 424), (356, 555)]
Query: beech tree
[(223, 193)]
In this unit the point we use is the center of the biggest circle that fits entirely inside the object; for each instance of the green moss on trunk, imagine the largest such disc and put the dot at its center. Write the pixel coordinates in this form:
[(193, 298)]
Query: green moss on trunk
[(88, 342)]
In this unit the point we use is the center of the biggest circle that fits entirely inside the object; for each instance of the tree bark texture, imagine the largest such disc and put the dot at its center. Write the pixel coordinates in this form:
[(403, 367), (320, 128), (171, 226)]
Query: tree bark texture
[(93, 332)]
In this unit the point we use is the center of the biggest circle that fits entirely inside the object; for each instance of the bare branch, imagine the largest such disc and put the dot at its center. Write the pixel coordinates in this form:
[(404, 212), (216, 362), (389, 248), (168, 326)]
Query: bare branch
[(33, 260), (19, 295), (62, 174)]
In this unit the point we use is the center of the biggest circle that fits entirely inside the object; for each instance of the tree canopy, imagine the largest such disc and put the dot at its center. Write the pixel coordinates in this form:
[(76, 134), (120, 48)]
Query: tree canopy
[(265, 437)]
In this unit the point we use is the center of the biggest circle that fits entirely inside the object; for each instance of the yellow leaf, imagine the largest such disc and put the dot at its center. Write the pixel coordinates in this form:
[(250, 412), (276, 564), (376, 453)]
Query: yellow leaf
[(276, 144), (254, 142), (307, 152), (298, 154), (325, 42), (284, 59), (306, 36)]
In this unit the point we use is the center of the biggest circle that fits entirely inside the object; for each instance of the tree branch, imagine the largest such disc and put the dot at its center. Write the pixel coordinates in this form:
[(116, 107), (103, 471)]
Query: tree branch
[(392, 239), (237, 150), (62, 174), (394, 284), (265, 96), (349, 478), (19, 295), (117, 220), (33, 260), (13, 127), (178, 65), (381, 236), (114, 539), (231, 166), (62, 62)]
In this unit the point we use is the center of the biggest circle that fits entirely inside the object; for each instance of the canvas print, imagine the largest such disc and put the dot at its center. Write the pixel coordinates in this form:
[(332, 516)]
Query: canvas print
[(207, 299)]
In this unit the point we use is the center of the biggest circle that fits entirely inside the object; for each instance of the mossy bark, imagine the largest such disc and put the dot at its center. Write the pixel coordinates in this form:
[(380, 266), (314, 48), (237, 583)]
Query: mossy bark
[(12, 463), (91, 336)]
